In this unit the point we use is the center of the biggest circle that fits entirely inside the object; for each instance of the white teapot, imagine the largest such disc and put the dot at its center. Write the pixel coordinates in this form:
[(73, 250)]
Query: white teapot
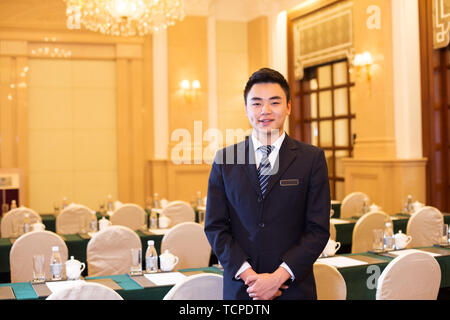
[(417, 205), (103, 223), (167, 261), (164, 221), (331, 248), (401, 240), (74, 268), (374, 208)]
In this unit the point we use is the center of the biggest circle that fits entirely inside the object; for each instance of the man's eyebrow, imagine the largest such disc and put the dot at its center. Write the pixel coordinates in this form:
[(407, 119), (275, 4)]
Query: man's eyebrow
[(271, 98)]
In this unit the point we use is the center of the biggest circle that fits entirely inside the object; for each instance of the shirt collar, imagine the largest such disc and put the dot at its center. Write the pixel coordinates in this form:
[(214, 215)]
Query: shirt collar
[(276, 144)]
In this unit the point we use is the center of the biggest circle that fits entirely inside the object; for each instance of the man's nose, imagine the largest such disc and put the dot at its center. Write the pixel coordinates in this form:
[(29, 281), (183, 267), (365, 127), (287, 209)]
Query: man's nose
[(266, 108)]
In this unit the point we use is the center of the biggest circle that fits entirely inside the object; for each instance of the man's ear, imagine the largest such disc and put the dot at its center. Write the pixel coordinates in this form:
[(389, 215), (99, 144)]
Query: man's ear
[(289, 107)]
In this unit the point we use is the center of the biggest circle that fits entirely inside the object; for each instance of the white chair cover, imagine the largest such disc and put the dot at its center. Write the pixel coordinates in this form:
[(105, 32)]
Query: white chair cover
[(85, 291), (179, 211), (17, 216), (70, 219), (130, 215), (330, 284), (188, 242), (332, 231), (203, 286), (109, 251), (352, 204), (362, 237), (415, 276), (425, 227), (29, 244)]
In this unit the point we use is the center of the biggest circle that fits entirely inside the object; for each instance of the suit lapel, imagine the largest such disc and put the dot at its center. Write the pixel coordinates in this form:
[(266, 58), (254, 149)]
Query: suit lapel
[(285, 157), (250, 165)]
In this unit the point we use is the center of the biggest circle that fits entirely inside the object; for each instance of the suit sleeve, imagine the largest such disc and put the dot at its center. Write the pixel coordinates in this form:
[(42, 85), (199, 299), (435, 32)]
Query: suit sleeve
[(302, 256), (217, 224)]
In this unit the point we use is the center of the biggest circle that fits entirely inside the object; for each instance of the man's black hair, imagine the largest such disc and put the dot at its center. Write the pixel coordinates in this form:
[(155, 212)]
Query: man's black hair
[(267, 75)]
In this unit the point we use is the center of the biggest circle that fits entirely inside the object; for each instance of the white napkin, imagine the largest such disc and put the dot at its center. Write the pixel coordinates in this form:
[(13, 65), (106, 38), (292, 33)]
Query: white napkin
[(407, 251), (165, 278), (339, 221), (163, 203), (117, 204), (340, 262)]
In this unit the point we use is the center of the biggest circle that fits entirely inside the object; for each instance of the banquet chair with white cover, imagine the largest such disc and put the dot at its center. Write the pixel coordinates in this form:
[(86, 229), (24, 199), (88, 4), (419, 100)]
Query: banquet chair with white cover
[(413, 276), (178, 212), (188, 242), (130, 215), (362, 236), (352, 204), (332, 231), (17, 216), (29, 244), (425, 227), (330, 284), (109, 251), (71, 219), (85, 291), (203, 286)]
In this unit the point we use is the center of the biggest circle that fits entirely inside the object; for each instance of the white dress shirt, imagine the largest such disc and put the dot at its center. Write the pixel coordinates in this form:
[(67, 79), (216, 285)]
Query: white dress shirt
[(272, 158)]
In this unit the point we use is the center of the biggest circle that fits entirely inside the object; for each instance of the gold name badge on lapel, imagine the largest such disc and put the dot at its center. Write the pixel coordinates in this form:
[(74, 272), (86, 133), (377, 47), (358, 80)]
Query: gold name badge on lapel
[(289, 182)]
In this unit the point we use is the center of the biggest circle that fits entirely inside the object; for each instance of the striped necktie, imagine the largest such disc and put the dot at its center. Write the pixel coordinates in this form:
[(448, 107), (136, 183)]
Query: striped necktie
[(264, 168)]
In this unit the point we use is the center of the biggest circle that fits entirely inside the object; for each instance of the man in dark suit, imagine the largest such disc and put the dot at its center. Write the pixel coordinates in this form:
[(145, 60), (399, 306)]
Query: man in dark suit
[(268, 208)]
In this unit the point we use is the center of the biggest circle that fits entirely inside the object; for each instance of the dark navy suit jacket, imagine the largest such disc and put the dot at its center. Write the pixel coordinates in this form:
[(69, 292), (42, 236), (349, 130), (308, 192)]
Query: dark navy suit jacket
[(290, 224)]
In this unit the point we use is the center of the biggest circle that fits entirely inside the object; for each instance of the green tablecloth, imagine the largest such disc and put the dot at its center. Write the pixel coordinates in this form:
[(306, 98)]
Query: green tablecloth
[(76, 246), (356, 279)]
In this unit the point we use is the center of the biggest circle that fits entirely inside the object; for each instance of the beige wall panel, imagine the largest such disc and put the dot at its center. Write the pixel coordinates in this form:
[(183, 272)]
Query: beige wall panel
[(58, 184), (185, 180), (158, 178), (258, 44), (50, 150), (374, 100), (92, 108), (232, 74), (7, 112), (387, 182), (123, 135), (94, 149), (94, 186), (187, 57), (72, 132), (50, 108), (138, 133)]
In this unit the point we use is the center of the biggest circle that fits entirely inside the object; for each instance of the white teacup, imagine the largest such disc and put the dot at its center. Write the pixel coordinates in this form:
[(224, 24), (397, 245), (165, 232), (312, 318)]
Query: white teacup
[(38, 226), (401, 240), (331, 248), (167, 261), (164, 221), (74, 268)]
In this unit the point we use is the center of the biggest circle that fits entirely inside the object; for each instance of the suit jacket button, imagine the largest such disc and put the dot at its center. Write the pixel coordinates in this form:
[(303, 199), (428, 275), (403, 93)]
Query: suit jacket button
[(261, 225)]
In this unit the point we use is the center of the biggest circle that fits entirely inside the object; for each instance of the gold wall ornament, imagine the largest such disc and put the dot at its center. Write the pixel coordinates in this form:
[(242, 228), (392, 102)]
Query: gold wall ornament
[(441, 23), (323, 36), (124, 17)]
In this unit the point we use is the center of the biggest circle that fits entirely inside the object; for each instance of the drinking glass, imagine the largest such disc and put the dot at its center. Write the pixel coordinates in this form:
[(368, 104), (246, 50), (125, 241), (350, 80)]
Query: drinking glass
[(136, 261), (378, 240), (444, 238), (38, 268)]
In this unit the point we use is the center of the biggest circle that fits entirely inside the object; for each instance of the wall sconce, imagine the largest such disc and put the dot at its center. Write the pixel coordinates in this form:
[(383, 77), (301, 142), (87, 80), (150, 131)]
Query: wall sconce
[(364, 60), (190, 90)]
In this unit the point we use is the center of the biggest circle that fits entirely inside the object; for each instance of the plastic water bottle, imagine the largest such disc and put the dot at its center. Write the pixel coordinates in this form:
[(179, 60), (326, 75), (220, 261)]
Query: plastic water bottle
[(109, 203), (389, 240), (26, 223), (56, 267), (151, 258)]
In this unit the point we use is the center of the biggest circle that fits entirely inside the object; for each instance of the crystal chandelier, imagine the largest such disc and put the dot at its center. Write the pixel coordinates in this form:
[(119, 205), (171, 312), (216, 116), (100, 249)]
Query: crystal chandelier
[(123, 17)]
